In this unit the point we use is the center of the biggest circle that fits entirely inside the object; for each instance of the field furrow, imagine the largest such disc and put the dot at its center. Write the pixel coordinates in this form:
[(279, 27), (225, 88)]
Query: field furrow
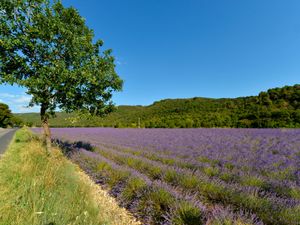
[(121, 179), (211, 191), (207, 176)]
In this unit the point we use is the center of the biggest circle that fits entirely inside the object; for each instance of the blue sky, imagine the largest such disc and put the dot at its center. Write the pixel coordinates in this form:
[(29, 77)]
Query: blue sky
[(180, 49)]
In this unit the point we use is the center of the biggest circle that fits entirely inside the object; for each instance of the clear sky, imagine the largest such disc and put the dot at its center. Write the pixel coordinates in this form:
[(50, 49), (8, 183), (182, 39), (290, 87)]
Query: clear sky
[(188, 48)]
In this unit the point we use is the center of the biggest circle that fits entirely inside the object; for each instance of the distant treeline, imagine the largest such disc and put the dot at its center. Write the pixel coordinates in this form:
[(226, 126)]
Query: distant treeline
[(277, 107), (7, 119)]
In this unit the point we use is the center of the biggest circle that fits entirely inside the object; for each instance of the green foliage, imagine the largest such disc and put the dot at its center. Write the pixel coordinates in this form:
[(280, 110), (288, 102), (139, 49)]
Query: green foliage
[(49, 50), (132, 188), (245, 112), (117, 177), (172, 177), (159, 201), (228, 177), (211, 171), (187, 214), (285, 174), (252, 181), (189, 182), (295, 192), (103, 166), (292, 215), (7, 118)]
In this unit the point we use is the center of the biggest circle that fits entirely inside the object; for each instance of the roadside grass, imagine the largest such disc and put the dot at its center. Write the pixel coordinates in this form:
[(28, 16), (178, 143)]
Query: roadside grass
[(39, 189)]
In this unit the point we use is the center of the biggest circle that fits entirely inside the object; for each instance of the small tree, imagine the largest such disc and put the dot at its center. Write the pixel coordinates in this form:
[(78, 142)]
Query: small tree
[(49, 50)]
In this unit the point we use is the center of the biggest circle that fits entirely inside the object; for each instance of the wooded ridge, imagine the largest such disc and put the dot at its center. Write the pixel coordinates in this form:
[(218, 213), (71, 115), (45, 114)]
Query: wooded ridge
[(277, 107)]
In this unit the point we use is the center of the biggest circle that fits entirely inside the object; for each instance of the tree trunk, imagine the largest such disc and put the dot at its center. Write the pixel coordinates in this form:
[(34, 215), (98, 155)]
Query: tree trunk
[(46, 129)]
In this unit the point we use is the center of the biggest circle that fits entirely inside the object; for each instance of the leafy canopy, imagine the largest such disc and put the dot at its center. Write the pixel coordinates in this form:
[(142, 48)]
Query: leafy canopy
[(6, 117), (48, 49)]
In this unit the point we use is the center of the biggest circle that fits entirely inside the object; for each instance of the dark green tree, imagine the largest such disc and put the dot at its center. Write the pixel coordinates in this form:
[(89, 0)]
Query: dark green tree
[(49, 50), (6, 116)]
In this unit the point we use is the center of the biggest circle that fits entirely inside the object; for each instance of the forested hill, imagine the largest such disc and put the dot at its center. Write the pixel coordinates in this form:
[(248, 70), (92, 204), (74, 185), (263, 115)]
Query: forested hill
[(277, 107)]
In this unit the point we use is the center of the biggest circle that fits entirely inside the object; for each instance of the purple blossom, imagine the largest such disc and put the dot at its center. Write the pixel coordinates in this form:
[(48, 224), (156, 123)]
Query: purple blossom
[(260, 163)]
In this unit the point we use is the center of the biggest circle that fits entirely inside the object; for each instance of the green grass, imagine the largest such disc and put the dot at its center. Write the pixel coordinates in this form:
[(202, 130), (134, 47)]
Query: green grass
[(36, 188)]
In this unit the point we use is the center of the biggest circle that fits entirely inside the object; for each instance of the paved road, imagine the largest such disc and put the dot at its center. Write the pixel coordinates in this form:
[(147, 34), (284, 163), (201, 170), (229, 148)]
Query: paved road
[(5, 138)]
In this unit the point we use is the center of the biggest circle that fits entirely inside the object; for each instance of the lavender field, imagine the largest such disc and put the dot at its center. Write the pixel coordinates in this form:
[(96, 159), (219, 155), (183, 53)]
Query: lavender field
[(194, 176)]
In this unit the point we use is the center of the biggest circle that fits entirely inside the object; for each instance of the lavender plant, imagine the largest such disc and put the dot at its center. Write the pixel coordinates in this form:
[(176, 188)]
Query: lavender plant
[(246, 176)]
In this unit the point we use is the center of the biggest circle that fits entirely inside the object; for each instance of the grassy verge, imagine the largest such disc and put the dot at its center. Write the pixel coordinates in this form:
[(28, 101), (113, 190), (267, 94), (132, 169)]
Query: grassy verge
[(50, 190)]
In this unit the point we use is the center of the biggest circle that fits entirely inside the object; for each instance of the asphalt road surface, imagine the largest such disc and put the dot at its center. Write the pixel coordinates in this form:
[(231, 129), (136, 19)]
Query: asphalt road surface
[(5, 138)]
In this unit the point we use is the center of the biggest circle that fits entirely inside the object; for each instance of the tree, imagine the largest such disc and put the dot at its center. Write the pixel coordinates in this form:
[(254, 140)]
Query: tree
[(16, 121), (6, 116), (49, 50)]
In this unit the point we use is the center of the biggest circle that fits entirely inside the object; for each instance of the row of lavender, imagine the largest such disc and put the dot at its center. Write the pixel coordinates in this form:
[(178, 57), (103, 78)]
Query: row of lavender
[(197, 176)]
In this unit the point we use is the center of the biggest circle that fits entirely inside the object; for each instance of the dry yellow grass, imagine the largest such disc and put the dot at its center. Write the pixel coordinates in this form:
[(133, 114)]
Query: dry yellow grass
[(39, 189), (118, 215)]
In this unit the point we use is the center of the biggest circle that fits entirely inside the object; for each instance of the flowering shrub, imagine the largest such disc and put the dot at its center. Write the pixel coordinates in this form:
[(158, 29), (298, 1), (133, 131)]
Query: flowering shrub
[(214, 176)]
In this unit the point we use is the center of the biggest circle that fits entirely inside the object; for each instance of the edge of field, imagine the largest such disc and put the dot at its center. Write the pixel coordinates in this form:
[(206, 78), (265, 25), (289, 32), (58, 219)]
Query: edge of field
[(36, 188)]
